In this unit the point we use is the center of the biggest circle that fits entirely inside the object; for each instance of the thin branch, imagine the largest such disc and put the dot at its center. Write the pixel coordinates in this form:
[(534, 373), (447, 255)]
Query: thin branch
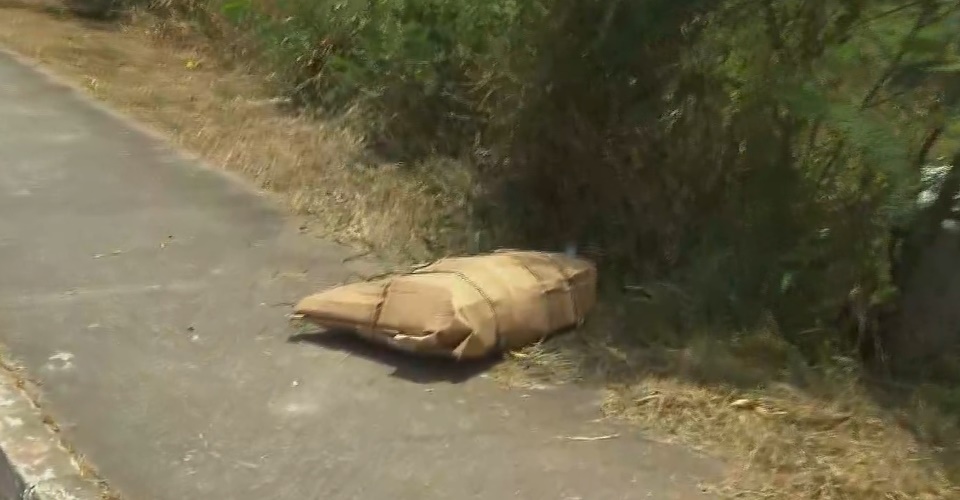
[(892, 11), (812, 139), (927, 145), (834, 156), (774, 29), (894, 65)]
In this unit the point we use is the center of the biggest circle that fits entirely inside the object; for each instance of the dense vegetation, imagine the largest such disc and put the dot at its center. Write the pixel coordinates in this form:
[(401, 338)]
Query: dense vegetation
[(765, 157)]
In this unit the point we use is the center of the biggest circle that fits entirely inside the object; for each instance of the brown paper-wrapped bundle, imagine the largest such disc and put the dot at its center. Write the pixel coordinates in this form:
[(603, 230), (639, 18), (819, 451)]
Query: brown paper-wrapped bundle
[(465, 307)]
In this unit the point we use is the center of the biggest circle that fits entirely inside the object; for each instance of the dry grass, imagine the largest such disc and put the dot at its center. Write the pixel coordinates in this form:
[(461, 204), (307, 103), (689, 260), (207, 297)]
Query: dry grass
[(167, 78), (790, 431)]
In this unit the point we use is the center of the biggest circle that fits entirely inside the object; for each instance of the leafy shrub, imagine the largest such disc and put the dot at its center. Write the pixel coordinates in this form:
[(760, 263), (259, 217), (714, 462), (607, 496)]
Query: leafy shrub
[(758, 153)]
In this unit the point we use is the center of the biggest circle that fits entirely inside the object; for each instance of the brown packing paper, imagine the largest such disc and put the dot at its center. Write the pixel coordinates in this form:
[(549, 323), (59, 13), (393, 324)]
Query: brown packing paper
[(465, 307)]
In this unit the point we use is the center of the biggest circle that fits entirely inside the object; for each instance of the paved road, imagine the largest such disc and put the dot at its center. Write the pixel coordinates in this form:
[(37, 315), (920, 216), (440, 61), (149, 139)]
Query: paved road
[(148, 293)]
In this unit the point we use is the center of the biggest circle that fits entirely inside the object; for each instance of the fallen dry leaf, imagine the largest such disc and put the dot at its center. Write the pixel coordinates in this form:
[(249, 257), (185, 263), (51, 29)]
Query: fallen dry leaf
[(744, 404), (590, 438)]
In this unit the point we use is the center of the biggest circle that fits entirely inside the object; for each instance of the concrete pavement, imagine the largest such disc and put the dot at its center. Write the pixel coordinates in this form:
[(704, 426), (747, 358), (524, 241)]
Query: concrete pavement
[(148, 294)]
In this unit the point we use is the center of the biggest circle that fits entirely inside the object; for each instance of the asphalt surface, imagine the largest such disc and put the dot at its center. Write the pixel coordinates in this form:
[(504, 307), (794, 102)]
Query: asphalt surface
[(149, 294)]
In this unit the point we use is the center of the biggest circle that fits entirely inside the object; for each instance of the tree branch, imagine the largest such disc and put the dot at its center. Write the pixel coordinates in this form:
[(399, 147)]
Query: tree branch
[(927, 145)]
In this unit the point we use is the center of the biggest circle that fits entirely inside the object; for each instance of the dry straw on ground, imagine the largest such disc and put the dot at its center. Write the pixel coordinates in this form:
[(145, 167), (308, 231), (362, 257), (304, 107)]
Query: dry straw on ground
[(165, 77), (787, 431)]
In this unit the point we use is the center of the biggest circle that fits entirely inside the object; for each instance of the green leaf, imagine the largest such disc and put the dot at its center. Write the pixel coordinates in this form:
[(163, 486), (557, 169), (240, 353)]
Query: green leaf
[(236, 10), (953, 67)]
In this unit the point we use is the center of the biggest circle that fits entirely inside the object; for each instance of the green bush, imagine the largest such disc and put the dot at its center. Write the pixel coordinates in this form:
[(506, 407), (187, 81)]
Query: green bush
[(757, 153)]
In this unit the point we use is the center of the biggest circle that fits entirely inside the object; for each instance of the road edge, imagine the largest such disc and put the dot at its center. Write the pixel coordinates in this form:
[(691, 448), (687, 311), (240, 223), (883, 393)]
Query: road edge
[(153, 133), (34, 462)]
